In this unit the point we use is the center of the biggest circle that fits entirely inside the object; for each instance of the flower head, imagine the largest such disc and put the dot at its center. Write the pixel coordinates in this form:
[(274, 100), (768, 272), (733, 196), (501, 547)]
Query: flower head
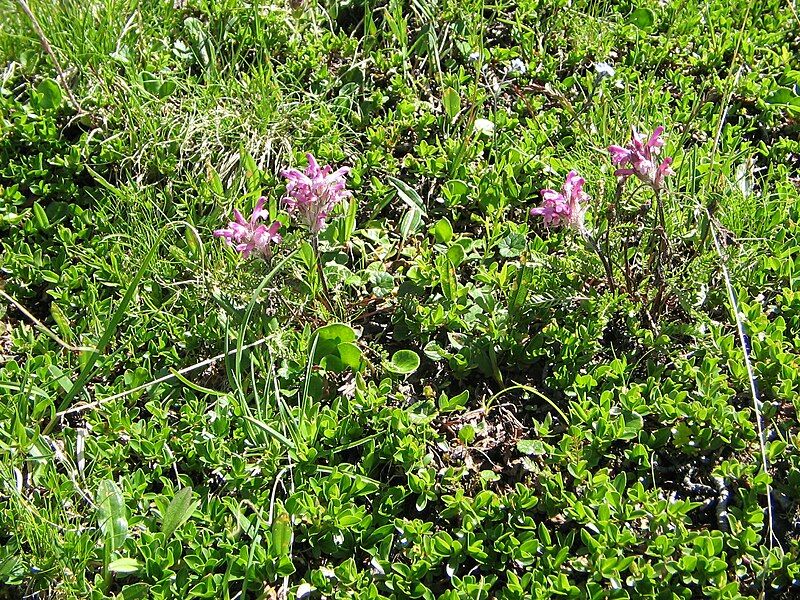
[(640, 157), (249, 236), (567, 207), (603, 69), (312, 194)]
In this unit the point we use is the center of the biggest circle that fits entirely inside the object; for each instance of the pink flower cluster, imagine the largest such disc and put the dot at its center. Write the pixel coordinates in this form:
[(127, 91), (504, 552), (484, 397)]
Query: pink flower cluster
[(639, 158), (567, 207), (312, 194), (251, 236)]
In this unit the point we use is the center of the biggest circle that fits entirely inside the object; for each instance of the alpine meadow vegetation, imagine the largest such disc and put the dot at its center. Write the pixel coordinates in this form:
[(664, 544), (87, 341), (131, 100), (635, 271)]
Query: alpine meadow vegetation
[(391, 299)]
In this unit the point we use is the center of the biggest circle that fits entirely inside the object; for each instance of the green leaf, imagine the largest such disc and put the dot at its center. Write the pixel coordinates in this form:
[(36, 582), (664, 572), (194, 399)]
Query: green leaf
[(455, 255), (466, 434), (178, 512), (167, 88), (447, 276), (454, 191), (784, 96), (520, 289), (643, 18), (50, 94), (404, 362), (135, 591), (251, 171), (124, 565), (282, 533), (489, 476), (332, 362), (531, 447), (150, 82), (348, 224), (452, 102), (512, 245), (271, 431), (63, 326), (350, 355), (111, 514), (443, 231), (329, 337), (408, 195), (42, 222), (410, 222), (455, 403)]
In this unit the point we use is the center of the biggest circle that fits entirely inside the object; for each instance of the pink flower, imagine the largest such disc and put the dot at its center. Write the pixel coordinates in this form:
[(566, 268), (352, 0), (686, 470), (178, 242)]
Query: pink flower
[(641, 156), (567, 207), (249, 236), (312, 194)]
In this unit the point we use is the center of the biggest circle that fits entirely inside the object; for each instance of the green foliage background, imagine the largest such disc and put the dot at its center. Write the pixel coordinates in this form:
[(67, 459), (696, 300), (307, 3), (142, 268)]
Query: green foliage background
[(551, 442)]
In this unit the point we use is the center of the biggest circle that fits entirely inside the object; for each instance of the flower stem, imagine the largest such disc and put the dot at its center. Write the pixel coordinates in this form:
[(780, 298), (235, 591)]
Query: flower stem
[(588, 238), (318, 262), (662, 253)]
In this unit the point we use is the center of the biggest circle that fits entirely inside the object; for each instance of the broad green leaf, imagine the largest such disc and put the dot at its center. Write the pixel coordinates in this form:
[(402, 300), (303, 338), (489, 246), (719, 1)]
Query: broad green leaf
[(451, 101), (136, 591), (332, 363), (150, 82), (404, 362), (50, 92), (178, 512), (350, 355), (784, 96), (454, 191), (251, 171), (111, 513), (643, 18), (348, 224), (62, 323), (443, 231), (531, 447), (455, 254), (447, 277), (467, 433), (512, 245), (124, 565), (329, 337), (167, 88), (520, 289)]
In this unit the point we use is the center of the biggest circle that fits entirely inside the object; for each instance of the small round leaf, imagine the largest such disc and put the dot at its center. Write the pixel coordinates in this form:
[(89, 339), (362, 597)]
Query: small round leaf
[(643, 18), (50, 94), (404, 362)]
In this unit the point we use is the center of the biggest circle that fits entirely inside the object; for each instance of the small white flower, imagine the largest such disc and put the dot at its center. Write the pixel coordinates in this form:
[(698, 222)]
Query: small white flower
[(517, 66), (603, 69), (484, 127)]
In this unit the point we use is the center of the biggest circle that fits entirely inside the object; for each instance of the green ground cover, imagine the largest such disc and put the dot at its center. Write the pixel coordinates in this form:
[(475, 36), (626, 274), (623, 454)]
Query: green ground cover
[(438, 396)]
